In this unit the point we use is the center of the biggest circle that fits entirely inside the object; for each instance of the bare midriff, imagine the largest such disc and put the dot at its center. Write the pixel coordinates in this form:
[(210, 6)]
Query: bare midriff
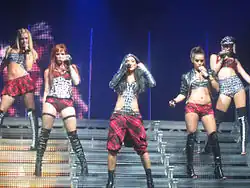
[(200, 95), (15, 71)]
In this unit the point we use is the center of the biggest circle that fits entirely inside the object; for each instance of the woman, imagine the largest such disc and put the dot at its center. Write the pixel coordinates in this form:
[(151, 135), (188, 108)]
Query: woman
[(126, 122), (19, 60), (57, 97), (227, 67), (195, 88)]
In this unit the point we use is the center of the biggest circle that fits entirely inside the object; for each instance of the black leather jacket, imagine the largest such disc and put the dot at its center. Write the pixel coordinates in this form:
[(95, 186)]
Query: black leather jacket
[(187, 80)]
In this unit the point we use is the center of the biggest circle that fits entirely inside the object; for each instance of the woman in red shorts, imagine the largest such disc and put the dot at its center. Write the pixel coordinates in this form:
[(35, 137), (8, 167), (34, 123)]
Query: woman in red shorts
[(58, 79), (126, 124), (195, 88), (19, 60)]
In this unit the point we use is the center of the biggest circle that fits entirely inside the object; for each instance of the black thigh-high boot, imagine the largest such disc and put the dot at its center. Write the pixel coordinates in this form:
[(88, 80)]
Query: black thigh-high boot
[(2, 114), (78, 149), (111, 177), (34, 126), (243, 121), (217, 156), (219, 118), (190, 155), (42, 144)]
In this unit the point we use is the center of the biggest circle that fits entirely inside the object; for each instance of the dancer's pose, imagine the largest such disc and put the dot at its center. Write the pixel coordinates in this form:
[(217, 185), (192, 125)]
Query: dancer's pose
[(195, 88), (126, 122), (19, 60), (227, 66), (58, 80)]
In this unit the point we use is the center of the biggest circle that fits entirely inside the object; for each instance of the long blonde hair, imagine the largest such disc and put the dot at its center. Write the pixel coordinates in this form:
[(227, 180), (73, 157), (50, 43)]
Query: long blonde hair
[(17, 43)]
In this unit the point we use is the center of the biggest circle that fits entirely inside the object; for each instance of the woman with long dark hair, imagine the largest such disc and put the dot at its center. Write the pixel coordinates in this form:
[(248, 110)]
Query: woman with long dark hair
[(126, 124)]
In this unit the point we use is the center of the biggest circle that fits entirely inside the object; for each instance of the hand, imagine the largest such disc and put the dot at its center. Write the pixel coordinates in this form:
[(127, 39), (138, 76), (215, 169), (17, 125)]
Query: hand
[(142, 66), (172, 103), (68, 59), (223, 53), (203, 71)]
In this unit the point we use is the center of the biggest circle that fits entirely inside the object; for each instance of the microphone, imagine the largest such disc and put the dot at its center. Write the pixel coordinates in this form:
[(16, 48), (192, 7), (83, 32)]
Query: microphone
[(203, 72), (224, 53), (68, 57)]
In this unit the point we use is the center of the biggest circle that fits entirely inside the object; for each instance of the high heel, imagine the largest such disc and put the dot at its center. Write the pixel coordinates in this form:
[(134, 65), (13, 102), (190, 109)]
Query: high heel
[(190, 172), (218, 172)]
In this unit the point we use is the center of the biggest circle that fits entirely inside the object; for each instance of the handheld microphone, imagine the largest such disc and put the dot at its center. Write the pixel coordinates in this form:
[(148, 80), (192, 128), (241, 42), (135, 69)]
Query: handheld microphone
[(68, 57), (203, 72)]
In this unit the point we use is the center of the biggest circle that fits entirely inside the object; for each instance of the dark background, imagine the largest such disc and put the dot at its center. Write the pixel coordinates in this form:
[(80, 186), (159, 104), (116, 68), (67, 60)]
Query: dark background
[(121, 27)]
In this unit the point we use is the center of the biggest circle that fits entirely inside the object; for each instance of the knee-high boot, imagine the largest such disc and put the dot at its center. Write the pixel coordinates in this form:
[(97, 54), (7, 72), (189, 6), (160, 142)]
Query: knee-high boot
[(34, 126), (217, 155), (111, 177), (190, 155), (2, 114), (78, 149), (243, 133), (42, 144)]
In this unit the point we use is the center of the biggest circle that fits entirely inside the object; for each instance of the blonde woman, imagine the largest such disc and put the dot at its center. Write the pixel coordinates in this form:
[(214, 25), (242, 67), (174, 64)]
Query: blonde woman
[(19, 60)]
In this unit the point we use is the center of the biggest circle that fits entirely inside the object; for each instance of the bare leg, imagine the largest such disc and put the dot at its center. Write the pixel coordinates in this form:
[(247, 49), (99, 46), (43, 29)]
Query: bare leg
[(111, 169), (6, 102), (147, 167)]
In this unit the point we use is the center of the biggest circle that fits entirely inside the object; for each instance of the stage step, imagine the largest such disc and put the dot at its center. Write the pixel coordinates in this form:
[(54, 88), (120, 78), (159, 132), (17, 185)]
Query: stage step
[(32, 181), (27, 169)]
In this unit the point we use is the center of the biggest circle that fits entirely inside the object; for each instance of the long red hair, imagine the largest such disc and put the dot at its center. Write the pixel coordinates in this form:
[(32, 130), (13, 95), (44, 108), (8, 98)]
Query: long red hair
[(53, 65)]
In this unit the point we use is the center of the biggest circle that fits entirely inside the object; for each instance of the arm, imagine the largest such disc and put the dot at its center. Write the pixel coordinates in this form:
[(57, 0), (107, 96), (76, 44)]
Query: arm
[(74, 74), (183, 93), (242, 72), (117, 77), (213, 79), (215, 66), (30, 58), (148, 75), (46, 84), (214, 83)]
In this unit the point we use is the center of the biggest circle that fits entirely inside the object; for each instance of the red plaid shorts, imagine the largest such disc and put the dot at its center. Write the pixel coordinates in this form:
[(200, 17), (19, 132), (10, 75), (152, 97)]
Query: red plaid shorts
[(19, 86), (59, 104), (128, 129), (200, 109)]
